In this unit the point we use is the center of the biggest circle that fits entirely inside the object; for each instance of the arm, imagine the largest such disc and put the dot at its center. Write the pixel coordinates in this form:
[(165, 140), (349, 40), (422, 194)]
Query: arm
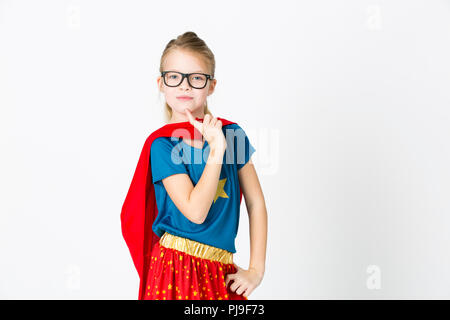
[(256, 208), (195, 202), (245, 281)]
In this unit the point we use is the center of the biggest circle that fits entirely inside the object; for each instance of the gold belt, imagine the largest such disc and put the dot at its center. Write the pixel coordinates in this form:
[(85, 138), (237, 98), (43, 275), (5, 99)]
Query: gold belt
[(196, 249)]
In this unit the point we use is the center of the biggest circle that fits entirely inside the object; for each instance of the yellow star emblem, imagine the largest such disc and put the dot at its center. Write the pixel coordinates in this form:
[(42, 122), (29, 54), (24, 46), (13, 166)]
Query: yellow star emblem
[(220, 191)]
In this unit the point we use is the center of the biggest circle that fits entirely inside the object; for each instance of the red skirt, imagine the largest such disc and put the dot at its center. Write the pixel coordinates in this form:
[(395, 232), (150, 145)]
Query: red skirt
[(183, 269)]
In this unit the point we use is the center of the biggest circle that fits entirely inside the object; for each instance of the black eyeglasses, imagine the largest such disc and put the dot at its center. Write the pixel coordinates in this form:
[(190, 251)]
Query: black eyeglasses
[(195, 80)]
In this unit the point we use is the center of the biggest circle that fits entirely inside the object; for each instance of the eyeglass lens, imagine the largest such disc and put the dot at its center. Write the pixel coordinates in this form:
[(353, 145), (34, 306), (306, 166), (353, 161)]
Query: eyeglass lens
[(197, 80)]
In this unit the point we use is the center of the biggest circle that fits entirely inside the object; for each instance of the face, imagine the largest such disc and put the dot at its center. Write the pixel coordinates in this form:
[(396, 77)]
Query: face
[(186, 62)]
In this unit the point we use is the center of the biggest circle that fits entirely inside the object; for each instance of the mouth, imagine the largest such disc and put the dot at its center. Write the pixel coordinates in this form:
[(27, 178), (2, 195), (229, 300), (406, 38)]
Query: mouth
[(184, 98)]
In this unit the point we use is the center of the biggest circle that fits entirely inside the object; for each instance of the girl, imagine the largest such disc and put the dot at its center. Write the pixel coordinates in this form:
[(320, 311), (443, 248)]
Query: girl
[(197, 183)]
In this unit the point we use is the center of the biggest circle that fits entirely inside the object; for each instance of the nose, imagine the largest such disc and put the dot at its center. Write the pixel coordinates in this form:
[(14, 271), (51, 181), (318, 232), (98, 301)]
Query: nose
[(185, 83)]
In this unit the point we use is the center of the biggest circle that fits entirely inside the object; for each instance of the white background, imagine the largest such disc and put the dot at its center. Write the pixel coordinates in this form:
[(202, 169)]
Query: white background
[(346, 103)]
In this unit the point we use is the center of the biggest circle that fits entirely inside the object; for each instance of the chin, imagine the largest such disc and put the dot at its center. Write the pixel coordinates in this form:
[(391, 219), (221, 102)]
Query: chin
[(180, 107), (192, 109)]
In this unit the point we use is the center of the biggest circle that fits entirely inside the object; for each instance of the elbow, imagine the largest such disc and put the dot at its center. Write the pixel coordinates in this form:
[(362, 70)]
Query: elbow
[(256, 206), (199, 219), (196, 220), (194, 215)]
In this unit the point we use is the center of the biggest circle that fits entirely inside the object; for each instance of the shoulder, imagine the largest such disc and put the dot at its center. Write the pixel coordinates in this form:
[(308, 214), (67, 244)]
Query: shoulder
[(165, 147), (233, 128), (234, 131), (164, 142)]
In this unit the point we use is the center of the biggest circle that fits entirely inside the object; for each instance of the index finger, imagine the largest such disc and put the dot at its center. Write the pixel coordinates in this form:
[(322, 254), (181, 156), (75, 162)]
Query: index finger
[(198, 125)]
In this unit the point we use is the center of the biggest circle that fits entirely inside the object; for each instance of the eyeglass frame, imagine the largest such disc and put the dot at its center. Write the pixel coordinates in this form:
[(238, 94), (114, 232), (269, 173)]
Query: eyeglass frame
[(186, 75)]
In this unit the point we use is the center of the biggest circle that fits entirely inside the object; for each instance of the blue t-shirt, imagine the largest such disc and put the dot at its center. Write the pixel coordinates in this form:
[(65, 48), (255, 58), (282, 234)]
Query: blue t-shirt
[(171, 155)]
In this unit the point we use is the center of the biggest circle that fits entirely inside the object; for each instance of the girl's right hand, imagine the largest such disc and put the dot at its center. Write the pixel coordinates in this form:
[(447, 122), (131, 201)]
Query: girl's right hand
[(211, 129)]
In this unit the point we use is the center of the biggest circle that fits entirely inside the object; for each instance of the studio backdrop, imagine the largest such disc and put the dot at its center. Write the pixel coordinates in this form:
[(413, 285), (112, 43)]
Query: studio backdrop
[(346, 103)]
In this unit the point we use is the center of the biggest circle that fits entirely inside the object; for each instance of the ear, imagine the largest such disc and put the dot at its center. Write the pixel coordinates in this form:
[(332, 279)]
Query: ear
[(159, 83), (212, 86)]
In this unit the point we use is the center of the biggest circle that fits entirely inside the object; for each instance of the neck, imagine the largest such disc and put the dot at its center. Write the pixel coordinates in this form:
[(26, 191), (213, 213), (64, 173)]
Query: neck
[(181, 117)]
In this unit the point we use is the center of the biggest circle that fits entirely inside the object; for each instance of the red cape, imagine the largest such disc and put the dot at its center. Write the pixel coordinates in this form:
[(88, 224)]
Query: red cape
[(139, 209)]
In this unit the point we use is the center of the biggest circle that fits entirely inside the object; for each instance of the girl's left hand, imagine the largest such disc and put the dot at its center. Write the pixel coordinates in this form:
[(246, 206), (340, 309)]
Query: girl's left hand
[(244, 281)]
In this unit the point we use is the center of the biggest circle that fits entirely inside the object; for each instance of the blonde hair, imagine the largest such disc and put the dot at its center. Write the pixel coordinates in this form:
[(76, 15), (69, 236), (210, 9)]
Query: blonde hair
[(191, 42)]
